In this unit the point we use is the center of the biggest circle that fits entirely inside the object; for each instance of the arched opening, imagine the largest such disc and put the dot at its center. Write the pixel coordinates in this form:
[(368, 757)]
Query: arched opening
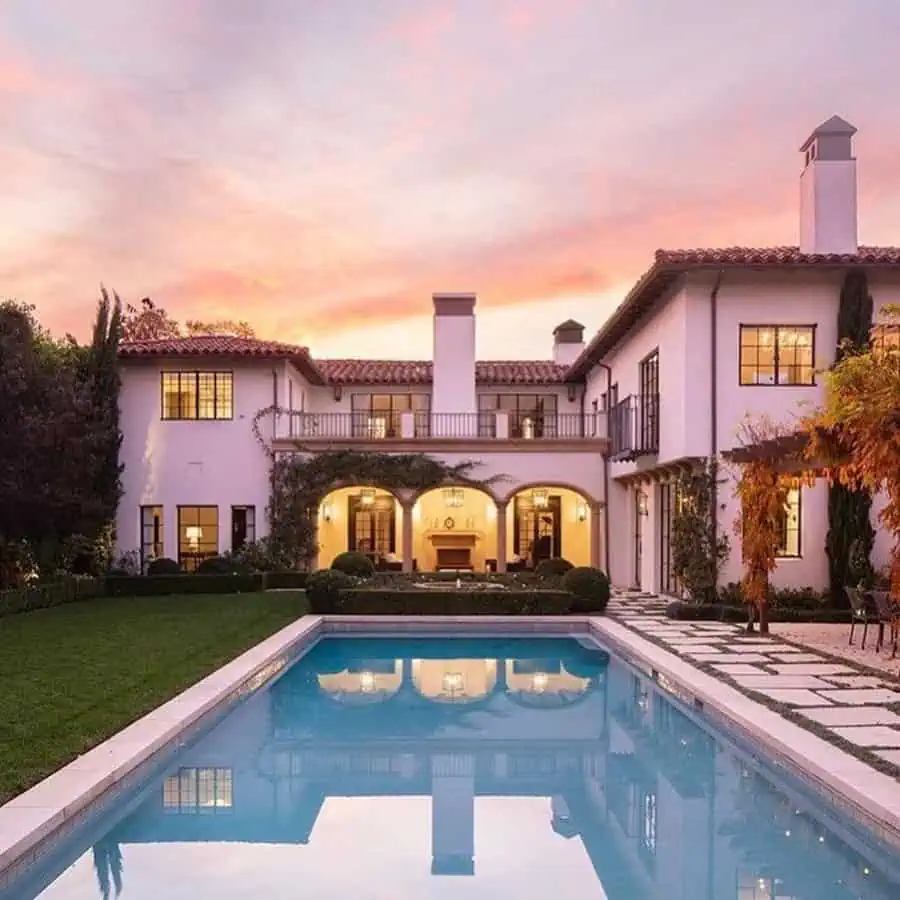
[(454, 680), (544, 521), (454, 528), (364, 519)]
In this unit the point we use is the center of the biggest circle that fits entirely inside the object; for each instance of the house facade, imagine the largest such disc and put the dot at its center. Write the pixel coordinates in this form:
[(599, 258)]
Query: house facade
[(584, 446)]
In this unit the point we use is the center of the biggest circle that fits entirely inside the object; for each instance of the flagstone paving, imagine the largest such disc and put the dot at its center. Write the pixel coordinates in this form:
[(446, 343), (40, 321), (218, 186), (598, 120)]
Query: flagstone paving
[(835, 699)]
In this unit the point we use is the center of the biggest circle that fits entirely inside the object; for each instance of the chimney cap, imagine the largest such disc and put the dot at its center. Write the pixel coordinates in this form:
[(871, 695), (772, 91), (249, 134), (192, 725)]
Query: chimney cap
[(835, 126), (569, 332), (454, 303)]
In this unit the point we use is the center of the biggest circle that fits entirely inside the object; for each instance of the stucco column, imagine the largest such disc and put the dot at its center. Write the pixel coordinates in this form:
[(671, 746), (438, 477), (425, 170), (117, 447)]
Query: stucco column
[(597, 535), (407, 536), (501, 536)]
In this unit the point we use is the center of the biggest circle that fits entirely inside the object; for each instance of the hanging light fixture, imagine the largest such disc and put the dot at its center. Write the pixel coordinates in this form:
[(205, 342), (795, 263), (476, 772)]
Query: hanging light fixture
[(367, 496), (540, 499), (453, 497)]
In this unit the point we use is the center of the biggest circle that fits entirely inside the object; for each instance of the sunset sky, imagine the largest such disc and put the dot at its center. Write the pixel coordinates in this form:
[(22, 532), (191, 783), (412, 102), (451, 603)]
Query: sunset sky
[(320, 167)]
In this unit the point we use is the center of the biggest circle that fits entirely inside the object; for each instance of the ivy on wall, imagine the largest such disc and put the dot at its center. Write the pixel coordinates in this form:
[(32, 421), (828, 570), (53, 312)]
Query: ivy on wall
[(301, 478), (697, 550), (850, 537)]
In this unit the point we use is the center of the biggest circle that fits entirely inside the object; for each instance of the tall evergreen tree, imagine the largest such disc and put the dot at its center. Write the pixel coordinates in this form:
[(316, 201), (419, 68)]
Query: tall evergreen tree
[(850, 537)]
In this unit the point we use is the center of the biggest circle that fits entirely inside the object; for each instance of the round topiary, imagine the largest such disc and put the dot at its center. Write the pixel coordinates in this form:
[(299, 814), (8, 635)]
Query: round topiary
[(352, 563), (590, 587), (323, 590), (216, 565), (164, 566), (552, 568)]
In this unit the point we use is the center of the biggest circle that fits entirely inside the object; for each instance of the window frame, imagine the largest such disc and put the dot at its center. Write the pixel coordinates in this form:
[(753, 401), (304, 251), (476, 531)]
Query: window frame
[(364, 416), (541, 421), (157, 528), (798, 326), (648, 391), (249, 522), (195, 374), (781, 551), (201, 554)]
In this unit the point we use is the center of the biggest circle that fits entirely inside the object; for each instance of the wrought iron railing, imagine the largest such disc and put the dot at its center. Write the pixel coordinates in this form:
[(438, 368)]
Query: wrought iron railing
[(634, 427)]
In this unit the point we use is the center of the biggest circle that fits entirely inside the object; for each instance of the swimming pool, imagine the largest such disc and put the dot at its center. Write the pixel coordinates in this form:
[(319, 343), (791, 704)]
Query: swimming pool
[(465, 767)]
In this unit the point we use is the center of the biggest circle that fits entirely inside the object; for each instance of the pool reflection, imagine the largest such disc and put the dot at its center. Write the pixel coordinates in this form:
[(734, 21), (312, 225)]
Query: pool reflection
[(661, 810)]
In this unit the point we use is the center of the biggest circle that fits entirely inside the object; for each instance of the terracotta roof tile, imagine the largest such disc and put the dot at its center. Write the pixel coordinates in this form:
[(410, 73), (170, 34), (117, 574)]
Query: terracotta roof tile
[(669, 265), (224, 347), (339, 371)]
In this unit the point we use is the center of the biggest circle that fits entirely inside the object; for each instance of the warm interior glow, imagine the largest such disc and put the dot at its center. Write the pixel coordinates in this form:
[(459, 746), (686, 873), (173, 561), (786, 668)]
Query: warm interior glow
[(193, 533)]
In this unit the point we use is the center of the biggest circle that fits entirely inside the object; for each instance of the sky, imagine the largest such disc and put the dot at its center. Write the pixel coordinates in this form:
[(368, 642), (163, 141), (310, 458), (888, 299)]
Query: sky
[(321, 167)]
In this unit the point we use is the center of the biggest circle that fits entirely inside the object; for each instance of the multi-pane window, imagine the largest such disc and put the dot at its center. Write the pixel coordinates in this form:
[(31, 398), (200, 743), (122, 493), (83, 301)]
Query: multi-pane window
[(777, 354), (371, 525), (530, 415), (197, 395), (152, 535), (668, 506), (198, 535), (789, 535), (243, 526), (379, 415), (194, 790), (649, 397)]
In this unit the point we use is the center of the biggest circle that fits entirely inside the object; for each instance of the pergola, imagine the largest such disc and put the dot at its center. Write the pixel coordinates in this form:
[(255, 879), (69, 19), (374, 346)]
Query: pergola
[(789, 454)]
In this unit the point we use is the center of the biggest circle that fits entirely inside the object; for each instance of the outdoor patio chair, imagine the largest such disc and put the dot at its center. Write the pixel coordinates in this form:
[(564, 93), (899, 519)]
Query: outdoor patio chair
[(888, 614), (861, 610)]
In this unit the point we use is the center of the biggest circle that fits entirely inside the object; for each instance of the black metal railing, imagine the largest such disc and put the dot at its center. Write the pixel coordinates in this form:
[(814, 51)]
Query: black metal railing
[(634, 427)]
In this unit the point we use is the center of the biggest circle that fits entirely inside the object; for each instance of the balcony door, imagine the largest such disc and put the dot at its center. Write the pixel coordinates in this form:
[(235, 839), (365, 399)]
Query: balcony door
[(649, 394), (537, 530), (640, 512)]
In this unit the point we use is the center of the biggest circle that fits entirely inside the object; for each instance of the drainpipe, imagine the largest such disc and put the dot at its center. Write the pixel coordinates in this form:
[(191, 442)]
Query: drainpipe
[(713, 406), (606, 473)]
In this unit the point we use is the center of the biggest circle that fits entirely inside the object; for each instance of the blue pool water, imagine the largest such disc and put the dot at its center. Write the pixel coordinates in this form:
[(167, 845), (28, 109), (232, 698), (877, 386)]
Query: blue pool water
[(514, 768)]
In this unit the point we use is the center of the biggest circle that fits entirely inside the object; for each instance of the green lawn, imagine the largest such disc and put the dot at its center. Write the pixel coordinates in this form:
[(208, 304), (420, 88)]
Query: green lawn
[(74, 675)]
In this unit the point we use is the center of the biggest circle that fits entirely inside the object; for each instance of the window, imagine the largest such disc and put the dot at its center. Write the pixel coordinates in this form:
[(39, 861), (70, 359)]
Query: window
[(668, 505), (649, 394), (537, 526), (243, 526), (777, 354), (193, 790), (371, 525), (198, 535), (152, 536), (197, 395), (789, 543), (379, 415), (530, 415)]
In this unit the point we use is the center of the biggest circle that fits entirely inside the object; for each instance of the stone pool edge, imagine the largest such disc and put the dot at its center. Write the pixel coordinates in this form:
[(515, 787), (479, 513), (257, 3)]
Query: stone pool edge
[(32, 819), (860, 789)]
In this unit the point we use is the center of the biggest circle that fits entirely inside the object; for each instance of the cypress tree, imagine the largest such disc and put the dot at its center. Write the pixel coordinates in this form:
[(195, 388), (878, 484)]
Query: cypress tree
[(850, 537)]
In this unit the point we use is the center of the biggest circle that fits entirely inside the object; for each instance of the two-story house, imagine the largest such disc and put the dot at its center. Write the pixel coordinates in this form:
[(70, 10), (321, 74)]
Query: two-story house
[(588, 442), (196, 480), (709, 337)]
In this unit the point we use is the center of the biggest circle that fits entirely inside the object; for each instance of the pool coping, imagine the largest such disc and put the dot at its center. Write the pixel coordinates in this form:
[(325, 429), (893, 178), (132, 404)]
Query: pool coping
[(33, 819)]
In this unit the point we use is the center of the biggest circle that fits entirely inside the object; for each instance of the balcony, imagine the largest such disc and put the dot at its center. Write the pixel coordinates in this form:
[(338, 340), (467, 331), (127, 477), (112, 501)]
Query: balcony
[(417, 426), (634, 428)]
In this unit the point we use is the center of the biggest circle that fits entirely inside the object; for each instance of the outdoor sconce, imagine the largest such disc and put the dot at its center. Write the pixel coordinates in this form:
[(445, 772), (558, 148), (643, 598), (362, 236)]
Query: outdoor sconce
[(581, 511), (327, 512), (540, 499), (367, 496), (338, 393), (642, 509), (453, 497), (193, 533)]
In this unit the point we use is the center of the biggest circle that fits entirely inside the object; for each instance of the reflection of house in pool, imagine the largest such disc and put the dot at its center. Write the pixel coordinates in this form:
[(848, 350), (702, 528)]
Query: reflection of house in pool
[(657, 805)]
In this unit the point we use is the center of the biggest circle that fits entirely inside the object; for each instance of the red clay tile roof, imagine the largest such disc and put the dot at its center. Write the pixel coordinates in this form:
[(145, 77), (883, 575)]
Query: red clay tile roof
[(224, 347), (379, 371), (669, 265), (339, 371)]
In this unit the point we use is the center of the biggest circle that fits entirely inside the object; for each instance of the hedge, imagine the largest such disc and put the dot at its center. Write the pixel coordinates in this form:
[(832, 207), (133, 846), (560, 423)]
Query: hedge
[(718, 612), (365, 601), (43, 596), (197, 583)]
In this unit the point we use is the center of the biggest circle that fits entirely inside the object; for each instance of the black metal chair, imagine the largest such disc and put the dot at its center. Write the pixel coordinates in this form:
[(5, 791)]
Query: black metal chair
[(861, 610), (887, 615)]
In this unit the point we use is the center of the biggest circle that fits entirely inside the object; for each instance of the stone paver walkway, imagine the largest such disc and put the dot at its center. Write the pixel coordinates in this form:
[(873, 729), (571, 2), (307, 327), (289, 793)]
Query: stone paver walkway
[(835, 700)]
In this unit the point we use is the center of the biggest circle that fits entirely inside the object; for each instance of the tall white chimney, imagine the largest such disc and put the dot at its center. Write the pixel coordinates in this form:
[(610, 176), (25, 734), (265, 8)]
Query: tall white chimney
[(453, 369), (828, 205), (568, 342)]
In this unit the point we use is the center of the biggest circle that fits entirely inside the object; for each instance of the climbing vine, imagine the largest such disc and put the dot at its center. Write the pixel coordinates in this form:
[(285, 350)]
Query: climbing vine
[(301, 478), (697, 550), (850, 537)]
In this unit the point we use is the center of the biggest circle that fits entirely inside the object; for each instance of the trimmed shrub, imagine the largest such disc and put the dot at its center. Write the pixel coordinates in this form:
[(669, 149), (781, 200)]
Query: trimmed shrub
[(324, 589), (43, 596), (222, 565), (287, 579), (367, 601), (164, 566), (553, 568), (356, 564), (721, 612), (590, 587), (183, 583)]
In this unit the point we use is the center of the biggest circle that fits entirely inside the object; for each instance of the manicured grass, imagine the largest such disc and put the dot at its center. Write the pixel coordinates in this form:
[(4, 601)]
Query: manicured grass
[(75, 675)]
